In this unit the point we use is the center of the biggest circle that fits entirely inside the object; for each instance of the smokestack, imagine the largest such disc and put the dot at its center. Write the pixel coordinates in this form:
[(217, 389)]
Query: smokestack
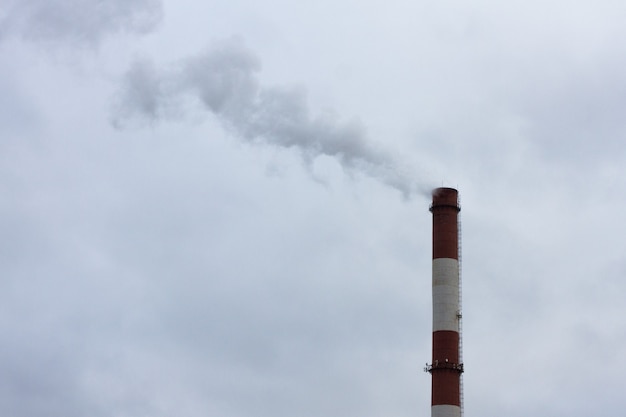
[(446, 367)]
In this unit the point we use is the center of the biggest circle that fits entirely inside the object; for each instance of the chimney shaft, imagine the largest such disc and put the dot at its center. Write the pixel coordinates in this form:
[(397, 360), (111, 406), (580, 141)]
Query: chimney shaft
[(446, 366)]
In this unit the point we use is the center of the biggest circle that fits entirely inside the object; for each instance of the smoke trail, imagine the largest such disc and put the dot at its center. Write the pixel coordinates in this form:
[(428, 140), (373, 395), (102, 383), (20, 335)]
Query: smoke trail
[(224, 80), (78, 21)]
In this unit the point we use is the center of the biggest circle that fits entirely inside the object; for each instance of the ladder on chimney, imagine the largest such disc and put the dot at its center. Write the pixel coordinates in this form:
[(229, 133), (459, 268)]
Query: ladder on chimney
[(459, 313)]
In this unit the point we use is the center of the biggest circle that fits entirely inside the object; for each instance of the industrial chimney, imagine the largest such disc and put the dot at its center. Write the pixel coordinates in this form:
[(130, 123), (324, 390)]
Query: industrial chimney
[(446, 367)]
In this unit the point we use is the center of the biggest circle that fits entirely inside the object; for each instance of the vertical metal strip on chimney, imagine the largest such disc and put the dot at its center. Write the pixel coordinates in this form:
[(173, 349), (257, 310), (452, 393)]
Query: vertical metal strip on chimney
[(446, 367)]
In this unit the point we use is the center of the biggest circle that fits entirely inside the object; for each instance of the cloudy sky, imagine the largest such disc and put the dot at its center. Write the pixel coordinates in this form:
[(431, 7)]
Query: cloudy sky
[(220, 208)]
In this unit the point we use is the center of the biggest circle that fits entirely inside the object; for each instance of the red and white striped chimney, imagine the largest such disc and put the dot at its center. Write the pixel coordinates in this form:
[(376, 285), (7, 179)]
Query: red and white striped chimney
[(446, 366)]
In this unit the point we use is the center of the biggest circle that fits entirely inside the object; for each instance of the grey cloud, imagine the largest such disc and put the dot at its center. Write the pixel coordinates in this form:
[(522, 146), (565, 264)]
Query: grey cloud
[(154, 272), (144, 89), (224, 80), (118, 303), (81, 21), (17, 115)]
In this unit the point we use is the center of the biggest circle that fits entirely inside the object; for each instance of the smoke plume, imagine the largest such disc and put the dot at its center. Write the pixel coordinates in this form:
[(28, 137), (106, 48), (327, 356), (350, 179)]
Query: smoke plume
[(78, 21), (224, 80)]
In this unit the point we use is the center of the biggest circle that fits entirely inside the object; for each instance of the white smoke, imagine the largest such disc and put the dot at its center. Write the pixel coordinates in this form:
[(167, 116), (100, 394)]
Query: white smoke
[(224, 80)]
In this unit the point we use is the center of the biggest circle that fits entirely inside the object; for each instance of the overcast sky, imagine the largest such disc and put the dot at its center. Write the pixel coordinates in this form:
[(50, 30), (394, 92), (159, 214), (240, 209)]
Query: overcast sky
[(221, 208)]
